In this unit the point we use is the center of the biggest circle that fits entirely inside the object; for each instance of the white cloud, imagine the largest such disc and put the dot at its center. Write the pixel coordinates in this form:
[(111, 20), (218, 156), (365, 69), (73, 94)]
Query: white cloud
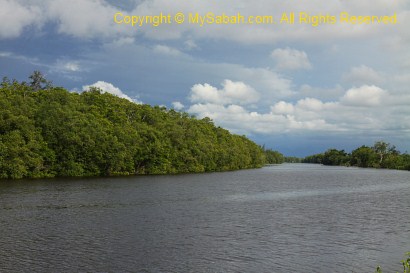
[(66, 66), (290, 59), (266, 33), (363, 75), (377, 6), (270, 85), (69, 69), (177, 105), (205, 93), (233, 114), (282, 107), (368, 109), (15, 17), (310, 104), (190, 45), (84, 18), (94, 19), (242, 121), (364, 96), (109, 88), (232, 92), (166, 50), (5, 54), (72, 66), (123, 41), (239, 92)]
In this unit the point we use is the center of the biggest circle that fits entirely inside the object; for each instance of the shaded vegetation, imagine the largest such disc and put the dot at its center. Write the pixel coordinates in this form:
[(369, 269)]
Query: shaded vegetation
[(292, 159), (47, 131), (274, 157), (380, 155)]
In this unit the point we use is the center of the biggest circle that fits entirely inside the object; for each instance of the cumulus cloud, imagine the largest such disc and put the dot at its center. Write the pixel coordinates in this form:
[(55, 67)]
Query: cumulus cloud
[(310, 104), (108, 88), (363, 75), (243, 121), (231, 92), (227, 108), (177, 105), (283, 108), (364, 96), (84, 19), (15, 17), (360, 110), (78, 18), (290, 59)]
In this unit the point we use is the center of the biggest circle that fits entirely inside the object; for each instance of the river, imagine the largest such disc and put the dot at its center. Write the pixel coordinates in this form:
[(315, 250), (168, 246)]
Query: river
[(284, 218)]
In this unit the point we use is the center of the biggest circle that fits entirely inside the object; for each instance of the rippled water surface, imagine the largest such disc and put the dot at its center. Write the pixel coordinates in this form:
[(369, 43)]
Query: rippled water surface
[(287, 218)]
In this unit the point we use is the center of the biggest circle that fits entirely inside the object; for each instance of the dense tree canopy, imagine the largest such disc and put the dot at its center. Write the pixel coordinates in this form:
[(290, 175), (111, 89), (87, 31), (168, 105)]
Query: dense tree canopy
[(274, 157), (380, 155), (47, 131)]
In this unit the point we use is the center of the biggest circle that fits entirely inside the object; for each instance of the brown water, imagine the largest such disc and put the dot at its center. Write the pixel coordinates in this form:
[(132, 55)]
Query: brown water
[(287, 218)]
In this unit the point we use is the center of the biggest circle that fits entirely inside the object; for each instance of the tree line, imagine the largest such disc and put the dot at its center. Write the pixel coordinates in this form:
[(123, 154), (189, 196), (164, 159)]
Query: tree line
[(275, 157), (47, 131), (381, 155)]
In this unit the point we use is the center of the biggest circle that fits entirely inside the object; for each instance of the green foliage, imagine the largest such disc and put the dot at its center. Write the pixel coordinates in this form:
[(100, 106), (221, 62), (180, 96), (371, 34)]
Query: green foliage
[(335, 157), (38, 82), (381, 148), (363, 157), (47, 132), (292, 159), (381, 155), (315, 159), (406, 263), (274, 157)]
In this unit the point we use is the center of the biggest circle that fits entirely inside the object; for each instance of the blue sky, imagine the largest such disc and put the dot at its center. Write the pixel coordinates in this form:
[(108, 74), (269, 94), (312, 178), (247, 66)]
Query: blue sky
[(295, 88)]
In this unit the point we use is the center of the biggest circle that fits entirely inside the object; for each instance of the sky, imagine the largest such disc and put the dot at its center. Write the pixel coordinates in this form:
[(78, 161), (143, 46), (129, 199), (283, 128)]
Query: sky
[(298, 88)]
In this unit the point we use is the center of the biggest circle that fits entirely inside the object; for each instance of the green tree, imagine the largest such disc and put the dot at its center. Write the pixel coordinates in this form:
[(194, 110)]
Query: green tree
[(315, 159), (364, 157), (292, 159), (387, 154), (274, 157), (335, 157), (52, 132), (39, 82), (381, 155)]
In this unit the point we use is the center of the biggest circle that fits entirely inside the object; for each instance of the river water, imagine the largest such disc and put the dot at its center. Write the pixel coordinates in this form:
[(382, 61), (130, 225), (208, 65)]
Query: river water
[(285, 218)]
